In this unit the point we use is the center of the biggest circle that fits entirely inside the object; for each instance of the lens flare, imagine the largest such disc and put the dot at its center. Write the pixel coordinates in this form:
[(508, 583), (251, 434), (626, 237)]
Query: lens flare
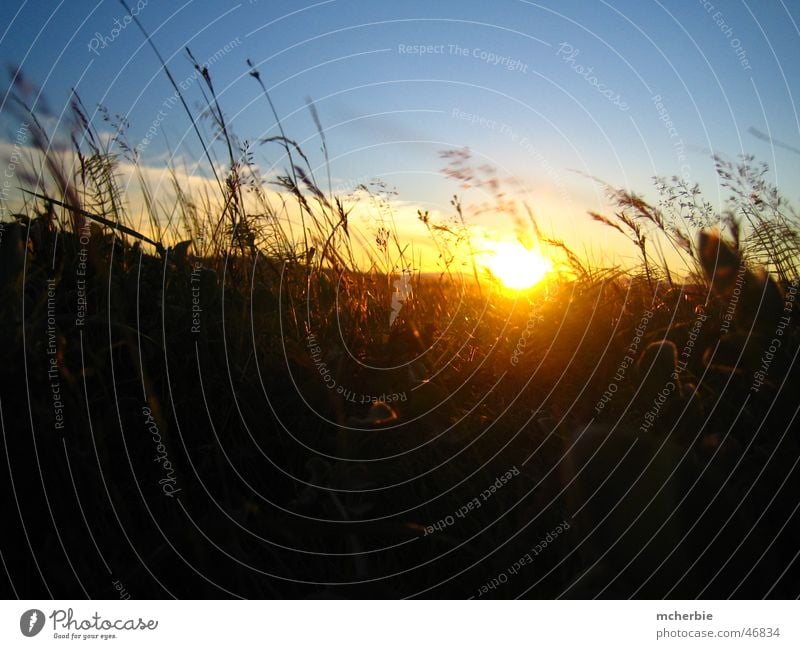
[(517, 267)]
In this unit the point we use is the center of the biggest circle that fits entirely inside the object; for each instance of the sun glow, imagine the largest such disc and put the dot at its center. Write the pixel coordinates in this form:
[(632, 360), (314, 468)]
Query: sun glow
[(517, 267)]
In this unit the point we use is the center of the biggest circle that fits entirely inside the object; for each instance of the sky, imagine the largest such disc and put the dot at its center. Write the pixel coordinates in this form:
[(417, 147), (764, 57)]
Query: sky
[(550, 94)]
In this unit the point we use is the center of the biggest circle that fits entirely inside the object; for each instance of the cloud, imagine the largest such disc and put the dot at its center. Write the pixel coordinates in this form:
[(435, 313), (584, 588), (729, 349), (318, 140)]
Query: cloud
[(151, 192)]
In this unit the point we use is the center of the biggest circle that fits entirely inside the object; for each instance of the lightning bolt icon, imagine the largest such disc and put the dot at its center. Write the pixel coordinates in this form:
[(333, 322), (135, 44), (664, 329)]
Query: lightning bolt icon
[(32, 621)]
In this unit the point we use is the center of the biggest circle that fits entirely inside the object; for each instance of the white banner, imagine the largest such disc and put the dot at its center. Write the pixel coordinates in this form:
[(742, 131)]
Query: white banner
[(390, 624)]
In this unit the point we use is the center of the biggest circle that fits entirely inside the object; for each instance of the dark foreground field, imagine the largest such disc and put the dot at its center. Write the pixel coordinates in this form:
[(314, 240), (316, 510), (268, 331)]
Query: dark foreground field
[(173, 430)]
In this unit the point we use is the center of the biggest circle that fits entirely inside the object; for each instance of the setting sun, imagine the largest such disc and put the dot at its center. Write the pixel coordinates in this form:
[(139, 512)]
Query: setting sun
[(517, 267)]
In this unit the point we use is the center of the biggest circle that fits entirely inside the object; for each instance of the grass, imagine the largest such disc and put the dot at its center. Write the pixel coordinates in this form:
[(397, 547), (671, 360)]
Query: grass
[(290, 486)]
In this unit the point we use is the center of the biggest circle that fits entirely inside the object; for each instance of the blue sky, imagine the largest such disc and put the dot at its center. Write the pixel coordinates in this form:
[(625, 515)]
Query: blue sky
[(537, 115)]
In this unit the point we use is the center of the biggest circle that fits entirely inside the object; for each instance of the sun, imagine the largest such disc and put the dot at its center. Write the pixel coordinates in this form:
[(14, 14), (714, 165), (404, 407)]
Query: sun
[(517, 267)]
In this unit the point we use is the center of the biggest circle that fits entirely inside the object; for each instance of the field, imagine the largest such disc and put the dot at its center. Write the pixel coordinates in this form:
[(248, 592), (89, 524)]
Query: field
[(231, 408)]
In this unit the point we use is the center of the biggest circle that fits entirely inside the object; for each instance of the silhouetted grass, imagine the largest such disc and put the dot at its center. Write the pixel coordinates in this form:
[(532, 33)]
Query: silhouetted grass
[(319, 485)]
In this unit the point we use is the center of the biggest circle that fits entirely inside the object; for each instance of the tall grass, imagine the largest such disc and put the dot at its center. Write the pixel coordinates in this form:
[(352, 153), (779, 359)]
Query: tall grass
[(247, 392)]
